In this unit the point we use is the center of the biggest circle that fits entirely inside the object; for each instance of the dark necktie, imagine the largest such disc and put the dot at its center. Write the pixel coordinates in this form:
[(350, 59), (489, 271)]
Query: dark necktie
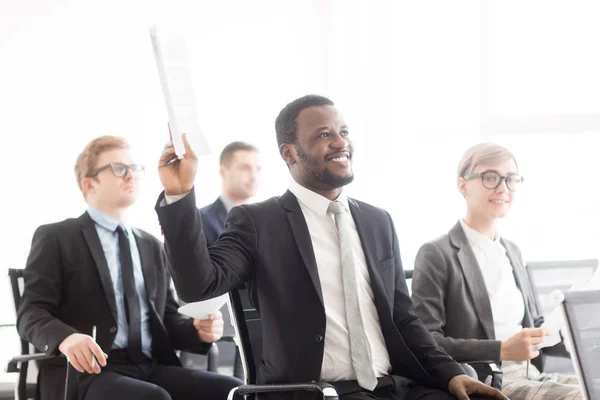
[(132, 303)]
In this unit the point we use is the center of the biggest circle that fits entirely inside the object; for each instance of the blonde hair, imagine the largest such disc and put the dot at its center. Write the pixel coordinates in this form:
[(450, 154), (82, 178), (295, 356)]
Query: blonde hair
[(483, 153), (87, 160)]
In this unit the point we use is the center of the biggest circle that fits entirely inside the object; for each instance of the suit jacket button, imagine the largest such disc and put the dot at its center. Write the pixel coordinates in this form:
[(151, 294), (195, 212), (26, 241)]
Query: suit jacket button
[(46, 348), (318, 338), (113, 329)]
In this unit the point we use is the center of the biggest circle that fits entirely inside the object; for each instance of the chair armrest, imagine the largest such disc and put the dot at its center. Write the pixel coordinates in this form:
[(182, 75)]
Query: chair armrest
[(487, 368), (13, 364), (328, 391)]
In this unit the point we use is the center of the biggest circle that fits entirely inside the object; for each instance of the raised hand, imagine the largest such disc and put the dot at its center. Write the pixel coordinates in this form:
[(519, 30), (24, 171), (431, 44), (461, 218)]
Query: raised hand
[(177, 177)]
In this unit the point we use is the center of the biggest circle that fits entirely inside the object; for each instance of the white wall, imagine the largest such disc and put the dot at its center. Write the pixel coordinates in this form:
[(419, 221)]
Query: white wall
[(417, 81)]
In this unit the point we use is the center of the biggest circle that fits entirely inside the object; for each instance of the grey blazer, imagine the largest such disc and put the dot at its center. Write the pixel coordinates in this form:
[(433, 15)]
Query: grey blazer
[(451, 297)]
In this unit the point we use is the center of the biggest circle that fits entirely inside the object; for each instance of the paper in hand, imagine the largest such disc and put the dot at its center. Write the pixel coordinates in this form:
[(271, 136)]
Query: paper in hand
[(176, 81), (202, 309), (554, 322)]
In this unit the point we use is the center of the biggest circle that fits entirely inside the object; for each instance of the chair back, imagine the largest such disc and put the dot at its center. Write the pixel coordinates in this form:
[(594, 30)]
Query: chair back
[(547, 276), (248, 326), (16, 285)]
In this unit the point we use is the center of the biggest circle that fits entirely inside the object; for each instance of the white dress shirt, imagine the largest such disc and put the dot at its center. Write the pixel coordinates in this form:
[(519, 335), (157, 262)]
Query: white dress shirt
[(508, 306), (337, 362)]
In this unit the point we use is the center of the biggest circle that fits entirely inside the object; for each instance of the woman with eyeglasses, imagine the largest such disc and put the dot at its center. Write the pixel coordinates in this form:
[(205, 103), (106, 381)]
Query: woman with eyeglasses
[(471, 289)]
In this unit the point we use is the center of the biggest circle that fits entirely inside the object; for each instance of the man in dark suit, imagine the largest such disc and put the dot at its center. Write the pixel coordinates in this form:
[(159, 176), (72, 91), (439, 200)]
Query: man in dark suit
[(239, 169), (97, 291), (324, 271)]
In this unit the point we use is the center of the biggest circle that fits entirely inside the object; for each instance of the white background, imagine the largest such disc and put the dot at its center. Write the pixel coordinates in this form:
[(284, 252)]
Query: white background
[(417, 82)]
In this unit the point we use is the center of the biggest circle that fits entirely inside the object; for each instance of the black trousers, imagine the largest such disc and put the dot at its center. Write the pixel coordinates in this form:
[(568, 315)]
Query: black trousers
[(123, 380), (393, 388)]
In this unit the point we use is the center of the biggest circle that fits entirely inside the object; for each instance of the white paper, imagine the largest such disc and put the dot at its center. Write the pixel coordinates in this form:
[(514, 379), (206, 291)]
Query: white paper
[(176, 81), (202, 309), (554, 322)]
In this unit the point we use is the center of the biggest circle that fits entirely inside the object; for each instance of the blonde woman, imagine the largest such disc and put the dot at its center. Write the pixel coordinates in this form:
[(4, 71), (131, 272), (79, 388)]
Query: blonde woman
[(471, 289)]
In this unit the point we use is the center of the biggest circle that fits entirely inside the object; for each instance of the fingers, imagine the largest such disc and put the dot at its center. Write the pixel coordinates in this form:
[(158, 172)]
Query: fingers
[(462, 394), (85, 360), (535, 332), (72, 359), (488, 391), (167, 154), (98, 354), (189, 153), (536, 340)]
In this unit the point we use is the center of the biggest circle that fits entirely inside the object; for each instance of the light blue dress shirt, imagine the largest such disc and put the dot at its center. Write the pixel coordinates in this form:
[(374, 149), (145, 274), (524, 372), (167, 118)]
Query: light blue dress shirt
[(106, 226)]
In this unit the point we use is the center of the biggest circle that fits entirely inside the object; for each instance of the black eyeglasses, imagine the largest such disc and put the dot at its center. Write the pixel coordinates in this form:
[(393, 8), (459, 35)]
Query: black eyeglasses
[(492, 179), (119, 170)]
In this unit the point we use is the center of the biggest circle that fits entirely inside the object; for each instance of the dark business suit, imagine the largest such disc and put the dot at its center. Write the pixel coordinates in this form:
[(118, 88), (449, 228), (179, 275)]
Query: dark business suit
[(213, 220), (68, 289), (268, 246), (451, 298)]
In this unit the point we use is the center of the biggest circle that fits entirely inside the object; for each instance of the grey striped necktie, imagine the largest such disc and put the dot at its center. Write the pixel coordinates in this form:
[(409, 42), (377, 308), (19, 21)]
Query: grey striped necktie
[(359, 346)]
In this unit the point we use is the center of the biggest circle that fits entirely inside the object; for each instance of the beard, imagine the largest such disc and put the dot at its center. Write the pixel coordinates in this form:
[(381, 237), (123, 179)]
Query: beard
[(322, 178)]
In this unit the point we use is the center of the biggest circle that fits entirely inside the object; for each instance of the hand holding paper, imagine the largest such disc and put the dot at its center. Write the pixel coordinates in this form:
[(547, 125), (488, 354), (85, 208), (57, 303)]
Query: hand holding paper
[(177, 178), (211, 329)]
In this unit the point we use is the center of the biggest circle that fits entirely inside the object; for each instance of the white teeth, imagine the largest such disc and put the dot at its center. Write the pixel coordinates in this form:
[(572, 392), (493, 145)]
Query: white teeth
[(343, 158)]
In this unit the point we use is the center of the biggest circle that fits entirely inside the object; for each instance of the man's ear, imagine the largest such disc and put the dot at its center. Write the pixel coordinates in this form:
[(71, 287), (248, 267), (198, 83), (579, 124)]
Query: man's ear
[(88, 185), (222, 171), (288, 153)]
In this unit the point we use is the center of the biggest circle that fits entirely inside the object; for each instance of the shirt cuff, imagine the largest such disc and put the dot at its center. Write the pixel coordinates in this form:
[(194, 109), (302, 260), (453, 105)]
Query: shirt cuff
[(173, 199)]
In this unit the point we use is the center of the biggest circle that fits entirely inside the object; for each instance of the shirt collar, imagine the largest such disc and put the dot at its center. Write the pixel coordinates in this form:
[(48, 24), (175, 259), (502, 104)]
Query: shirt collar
[(106, 221), (480, 240), (227, 202), (314, 201)]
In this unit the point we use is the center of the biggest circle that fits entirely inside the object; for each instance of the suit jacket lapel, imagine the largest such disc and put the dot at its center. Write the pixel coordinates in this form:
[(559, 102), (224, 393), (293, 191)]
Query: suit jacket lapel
[(93, 241), (149, 268), (302, 237), (221, 212), (365, 232), (474, 278)]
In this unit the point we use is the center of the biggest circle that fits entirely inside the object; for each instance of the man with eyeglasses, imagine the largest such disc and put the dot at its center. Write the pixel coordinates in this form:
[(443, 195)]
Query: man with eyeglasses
[(97, 291)]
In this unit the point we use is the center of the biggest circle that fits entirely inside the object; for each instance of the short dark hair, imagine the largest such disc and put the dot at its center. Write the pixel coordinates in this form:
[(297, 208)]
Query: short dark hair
[(286, 126), (231, 148)]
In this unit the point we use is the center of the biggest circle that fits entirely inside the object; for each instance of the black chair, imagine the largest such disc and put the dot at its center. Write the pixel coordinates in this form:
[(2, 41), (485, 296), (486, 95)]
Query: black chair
[(247, 323), (20, 364)]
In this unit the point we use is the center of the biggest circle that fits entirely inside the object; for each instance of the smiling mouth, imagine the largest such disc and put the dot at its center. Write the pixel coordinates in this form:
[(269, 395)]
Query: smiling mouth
[(499, 201), (340, 157)]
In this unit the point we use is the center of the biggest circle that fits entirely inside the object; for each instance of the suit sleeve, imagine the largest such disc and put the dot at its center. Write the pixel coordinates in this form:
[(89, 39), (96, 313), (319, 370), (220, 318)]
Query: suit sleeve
[(198, 273), (429, 291), (37, 320), (434, 360)]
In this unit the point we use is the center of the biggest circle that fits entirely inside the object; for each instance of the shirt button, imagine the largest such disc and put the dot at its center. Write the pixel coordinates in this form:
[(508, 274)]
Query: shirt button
[(113, 329), (318, 338)]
